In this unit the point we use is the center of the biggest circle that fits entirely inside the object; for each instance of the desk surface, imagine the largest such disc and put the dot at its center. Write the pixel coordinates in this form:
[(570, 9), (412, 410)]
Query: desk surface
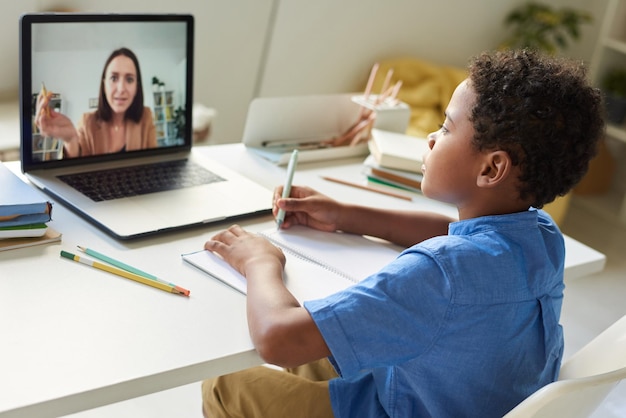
[(75, 338)]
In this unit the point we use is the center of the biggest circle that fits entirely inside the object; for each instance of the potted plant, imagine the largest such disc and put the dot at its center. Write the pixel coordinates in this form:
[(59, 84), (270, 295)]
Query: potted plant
[(614, 87), (155, 84), (180, 122), (540, 27)]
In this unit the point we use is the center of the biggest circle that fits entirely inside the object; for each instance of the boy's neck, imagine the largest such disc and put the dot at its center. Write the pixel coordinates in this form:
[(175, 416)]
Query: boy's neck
[(493, 202)]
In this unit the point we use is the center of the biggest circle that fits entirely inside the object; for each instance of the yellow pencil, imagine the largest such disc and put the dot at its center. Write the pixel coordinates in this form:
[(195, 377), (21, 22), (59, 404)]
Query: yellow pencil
[(46, 96), (122, 273), (129, 269)]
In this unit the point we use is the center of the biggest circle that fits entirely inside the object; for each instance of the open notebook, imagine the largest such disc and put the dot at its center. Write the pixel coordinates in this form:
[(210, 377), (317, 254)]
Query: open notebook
[(318, 263)]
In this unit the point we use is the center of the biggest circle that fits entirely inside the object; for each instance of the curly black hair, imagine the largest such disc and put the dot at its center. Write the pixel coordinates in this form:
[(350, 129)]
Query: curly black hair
[(542, 111)]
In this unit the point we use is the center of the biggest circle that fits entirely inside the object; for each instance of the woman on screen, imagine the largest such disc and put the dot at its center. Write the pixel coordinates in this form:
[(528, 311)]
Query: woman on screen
[(120, 123)]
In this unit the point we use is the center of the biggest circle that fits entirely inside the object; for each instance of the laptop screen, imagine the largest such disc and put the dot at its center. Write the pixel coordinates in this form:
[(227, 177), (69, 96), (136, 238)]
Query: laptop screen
[(96, 87)]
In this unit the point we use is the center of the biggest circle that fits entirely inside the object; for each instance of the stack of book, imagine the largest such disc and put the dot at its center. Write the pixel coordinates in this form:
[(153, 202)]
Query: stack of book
[(24, 214), (395, 159)]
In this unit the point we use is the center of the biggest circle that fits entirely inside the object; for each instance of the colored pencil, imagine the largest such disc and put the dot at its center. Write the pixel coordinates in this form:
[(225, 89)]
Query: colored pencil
[(122, 273), (371, 189), (129, 268)]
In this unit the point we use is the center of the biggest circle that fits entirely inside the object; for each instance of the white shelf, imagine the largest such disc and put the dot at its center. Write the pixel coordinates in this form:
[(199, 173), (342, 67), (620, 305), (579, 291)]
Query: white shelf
[(615, 45), (617, 132), (164, 117), (610, 206), (610, 52)]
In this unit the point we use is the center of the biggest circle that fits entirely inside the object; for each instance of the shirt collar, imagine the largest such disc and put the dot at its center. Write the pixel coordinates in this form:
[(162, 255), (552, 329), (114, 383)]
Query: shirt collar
[(526, 219)]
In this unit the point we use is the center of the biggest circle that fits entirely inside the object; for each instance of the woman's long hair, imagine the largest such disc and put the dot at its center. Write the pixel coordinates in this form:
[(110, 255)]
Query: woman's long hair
[(135, 111)]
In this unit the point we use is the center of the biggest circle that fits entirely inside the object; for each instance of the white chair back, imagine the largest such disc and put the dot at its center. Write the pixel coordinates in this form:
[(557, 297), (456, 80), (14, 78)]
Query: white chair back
[(605, 353), (571, 398), (585, 380)]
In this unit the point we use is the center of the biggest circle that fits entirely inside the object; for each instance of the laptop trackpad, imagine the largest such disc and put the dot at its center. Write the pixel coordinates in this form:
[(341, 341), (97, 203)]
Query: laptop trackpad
[(201, 203), (130, 216)]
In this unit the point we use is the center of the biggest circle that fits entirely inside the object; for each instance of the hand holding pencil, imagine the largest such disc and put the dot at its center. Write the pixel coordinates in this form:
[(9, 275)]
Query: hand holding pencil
[(51, 122), (43, 99), (293, 162)]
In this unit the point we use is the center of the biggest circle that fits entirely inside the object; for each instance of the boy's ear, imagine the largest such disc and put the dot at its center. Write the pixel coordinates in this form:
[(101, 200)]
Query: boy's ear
[(495, 169)]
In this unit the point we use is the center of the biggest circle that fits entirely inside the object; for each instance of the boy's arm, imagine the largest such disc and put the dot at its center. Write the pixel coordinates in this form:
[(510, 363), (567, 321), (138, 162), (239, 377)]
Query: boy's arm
[(282, 331), (404, 228), (311, 208)]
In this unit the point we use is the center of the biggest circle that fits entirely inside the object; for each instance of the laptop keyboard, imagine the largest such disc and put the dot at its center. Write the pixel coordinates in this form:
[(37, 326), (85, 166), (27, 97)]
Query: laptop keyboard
[(138, 180)]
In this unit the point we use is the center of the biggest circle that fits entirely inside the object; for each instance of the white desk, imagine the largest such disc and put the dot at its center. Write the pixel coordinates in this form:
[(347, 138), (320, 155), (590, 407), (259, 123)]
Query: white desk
[(74, 338)]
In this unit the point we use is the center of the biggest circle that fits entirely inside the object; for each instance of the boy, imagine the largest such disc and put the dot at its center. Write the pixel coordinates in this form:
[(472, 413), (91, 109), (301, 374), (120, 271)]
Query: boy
[(465, 321)]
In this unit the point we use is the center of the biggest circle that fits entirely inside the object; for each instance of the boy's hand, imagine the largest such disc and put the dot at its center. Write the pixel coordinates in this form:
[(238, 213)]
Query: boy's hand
[(308, 207), (245, 251), (282, 331)]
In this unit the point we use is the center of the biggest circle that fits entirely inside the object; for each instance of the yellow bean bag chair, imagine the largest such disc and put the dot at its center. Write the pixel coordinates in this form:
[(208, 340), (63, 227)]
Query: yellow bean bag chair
[(427, 89)]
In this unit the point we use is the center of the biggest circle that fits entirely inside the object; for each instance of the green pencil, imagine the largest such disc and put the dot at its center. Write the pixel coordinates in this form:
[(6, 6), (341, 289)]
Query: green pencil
[(130, 269)]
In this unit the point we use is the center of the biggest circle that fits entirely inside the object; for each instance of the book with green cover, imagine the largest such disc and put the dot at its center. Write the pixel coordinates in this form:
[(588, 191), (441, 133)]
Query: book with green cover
[(392, 177), (23, 231), (50, 235)]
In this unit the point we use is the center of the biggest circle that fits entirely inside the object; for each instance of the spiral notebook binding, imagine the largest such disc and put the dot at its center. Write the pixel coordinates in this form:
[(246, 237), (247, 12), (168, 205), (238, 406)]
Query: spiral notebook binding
[(306, 257)]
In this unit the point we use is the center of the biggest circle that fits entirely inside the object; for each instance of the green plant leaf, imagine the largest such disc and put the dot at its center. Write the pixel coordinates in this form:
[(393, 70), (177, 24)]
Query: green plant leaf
[(539, 26)]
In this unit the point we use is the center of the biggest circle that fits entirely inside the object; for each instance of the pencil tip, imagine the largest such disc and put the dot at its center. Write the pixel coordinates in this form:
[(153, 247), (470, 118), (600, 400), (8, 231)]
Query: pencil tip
[(80, 248), (182, 291)]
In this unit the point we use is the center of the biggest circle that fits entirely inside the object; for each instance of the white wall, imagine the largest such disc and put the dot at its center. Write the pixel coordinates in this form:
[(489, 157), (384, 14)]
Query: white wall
[(159, 50), (320, 46), (327, 45), (229, 39)]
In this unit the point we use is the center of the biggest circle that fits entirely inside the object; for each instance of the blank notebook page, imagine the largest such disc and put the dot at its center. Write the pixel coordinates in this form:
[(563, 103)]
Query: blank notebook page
[(318, 263), (352, 256)]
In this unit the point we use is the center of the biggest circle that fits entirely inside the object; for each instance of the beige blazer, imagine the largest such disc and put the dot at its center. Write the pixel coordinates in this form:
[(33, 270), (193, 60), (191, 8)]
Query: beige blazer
[(93, 134)]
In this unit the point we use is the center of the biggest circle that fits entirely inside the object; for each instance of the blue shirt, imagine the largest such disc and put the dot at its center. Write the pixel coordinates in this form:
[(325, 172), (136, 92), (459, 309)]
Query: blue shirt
[(465, 324)]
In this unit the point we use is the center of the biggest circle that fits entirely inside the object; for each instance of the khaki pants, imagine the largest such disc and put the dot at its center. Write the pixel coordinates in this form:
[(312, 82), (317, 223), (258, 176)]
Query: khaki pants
[(266, 392)]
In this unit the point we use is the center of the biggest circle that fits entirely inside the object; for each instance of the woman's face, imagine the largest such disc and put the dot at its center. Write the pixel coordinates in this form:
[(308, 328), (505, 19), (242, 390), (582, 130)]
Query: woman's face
[(120, 83)]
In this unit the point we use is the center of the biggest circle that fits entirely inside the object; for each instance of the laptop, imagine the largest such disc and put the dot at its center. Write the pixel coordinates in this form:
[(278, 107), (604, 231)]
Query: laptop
[(89, 166), (306, 122)]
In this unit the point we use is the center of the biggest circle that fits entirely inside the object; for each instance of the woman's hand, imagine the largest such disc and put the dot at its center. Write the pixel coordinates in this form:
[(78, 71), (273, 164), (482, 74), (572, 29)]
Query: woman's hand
[(51, 123), (308, 207), (246, 252)]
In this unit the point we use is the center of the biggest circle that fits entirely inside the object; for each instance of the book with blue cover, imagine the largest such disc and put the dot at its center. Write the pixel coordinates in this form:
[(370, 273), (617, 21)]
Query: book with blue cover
[(21, 204)]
